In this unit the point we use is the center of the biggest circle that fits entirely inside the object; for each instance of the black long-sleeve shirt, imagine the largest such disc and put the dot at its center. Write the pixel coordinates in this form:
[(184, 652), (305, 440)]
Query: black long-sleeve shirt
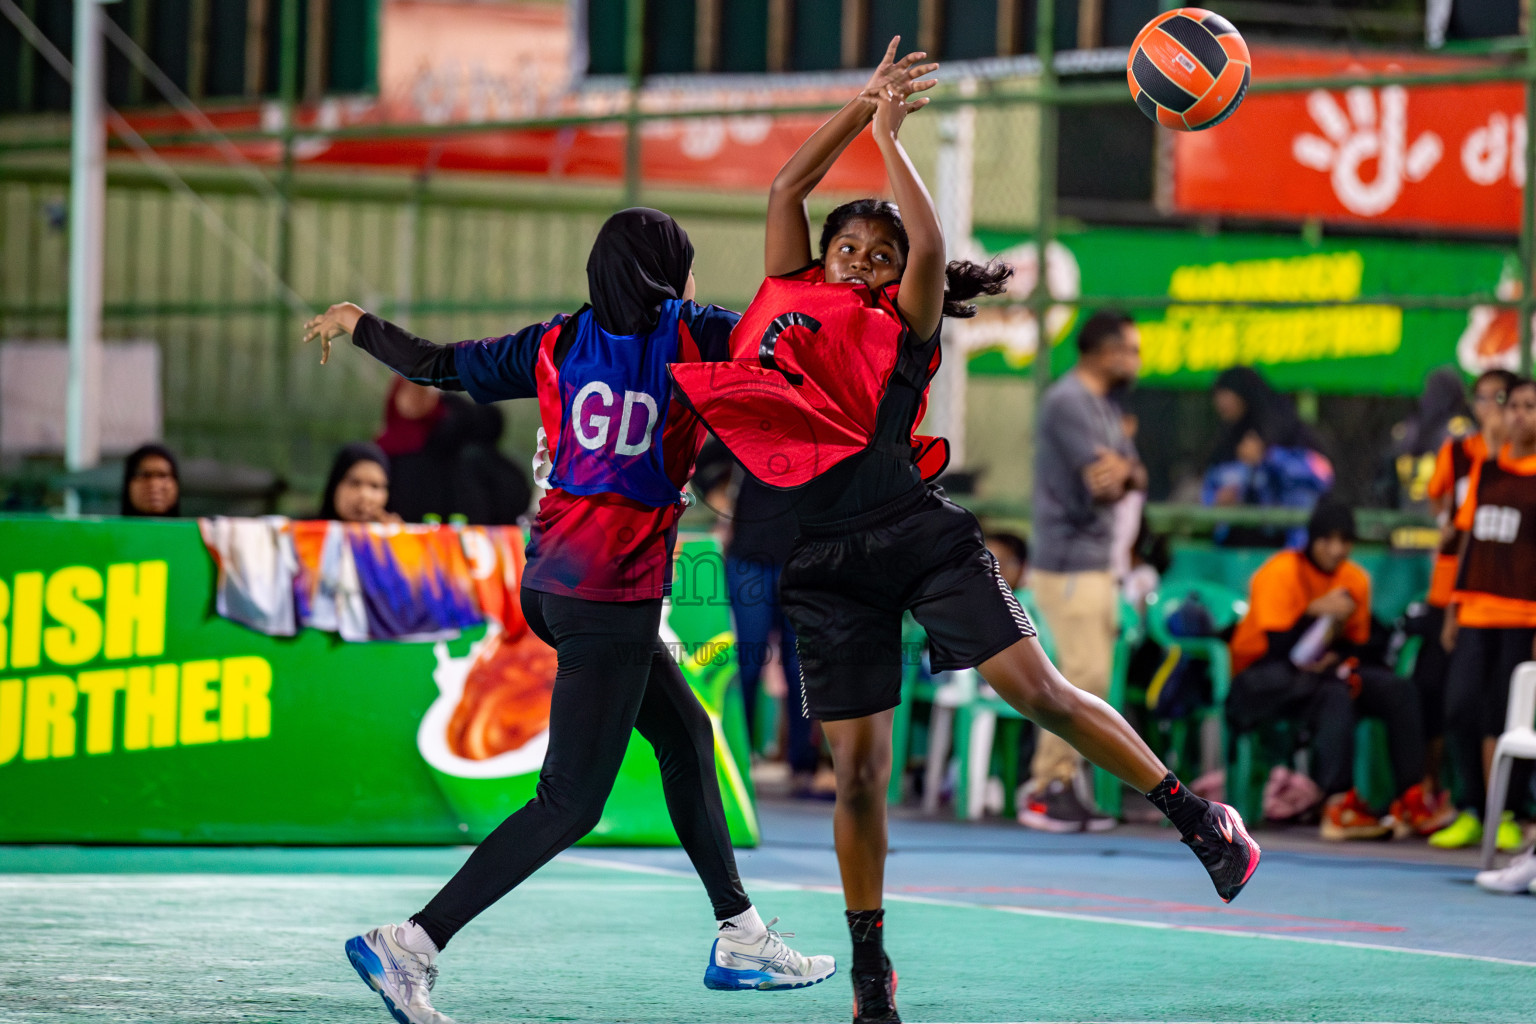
[(413, 358)]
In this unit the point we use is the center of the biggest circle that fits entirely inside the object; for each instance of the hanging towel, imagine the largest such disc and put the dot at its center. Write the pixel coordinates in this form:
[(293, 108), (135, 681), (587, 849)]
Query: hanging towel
[(256, 570)]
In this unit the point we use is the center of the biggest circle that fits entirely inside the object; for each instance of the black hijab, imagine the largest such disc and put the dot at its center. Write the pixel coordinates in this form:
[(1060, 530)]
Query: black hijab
[(1330, 517), (1444, 399), (131, 468), (641, 258), (349, 456), (1265, 412)]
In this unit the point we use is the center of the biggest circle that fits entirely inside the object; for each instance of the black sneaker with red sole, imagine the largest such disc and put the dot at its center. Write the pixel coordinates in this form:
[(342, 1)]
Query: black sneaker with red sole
[(874, 996), (1223, 844)]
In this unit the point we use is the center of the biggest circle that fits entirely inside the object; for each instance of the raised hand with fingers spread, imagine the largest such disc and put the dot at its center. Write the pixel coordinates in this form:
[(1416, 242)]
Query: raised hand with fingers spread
[(340, 319), (903, 75)]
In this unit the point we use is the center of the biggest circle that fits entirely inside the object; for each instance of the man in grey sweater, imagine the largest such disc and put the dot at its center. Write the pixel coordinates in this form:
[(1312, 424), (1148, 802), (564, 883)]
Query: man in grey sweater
[(1084, 464)]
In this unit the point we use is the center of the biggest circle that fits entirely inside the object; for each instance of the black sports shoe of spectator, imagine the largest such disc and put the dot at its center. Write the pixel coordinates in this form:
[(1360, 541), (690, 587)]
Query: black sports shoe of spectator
[(874, 996), (1056, 808), (1225, 848)]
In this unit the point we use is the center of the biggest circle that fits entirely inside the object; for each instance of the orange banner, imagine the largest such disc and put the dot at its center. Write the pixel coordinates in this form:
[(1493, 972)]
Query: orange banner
[(1433, 156)]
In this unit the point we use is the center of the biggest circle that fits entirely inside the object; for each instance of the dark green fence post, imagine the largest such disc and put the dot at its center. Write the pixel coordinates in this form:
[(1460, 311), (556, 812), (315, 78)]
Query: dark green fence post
[(634, 67), (1045, 201), (285, 328)]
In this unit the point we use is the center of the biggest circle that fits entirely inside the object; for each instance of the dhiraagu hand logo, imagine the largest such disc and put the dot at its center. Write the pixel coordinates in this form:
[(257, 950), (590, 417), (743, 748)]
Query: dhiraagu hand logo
[(53, 623)]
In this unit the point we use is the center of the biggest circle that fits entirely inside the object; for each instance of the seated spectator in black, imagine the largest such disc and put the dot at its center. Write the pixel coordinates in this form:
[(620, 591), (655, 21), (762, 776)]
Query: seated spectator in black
[(1299, 654), (1266, 455), (357, 490), (444, 458), (151, 482), (1012, 554)]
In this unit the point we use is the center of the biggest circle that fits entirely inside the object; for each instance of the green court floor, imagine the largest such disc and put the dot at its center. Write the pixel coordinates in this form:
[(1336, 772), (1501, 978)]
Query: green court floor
[(169, 935)]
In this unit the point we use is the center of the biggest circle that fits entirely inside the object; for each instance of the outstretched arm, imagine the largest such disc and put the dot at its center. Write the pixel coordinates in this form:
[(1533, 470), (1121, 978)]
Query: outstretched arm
[(921, 298), (788, 245), (413, 358), (491, 370)]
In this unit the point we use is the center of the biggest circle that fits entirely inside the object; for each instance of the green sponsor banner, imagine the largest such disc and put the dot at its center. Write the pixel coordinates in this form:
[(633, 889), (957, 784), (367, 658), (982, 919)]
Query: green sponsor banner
[(1362, 349), (131, 712)]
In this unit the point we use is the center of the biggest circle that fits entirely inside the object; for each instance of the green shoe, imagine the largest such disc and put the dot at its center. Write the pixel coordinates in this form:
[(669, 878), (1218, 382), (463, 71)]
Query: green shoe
[(1465, 831), (1509, 838)]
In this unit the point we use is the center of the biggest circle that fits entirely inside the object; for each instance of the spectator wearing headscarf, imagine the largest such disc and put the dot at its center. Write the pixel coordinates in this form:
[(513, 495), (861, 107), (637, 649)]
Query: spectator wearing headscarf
[(1247, 404), (151, 483), (1266, 456), (357, 490), (444, 460), (1442, 415)]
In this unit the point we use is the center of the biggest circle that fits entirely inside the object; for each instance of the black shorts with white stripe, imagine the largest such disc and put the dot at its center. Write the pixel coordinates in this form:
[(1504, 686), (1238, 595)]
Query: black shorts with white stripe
[(844, 590)]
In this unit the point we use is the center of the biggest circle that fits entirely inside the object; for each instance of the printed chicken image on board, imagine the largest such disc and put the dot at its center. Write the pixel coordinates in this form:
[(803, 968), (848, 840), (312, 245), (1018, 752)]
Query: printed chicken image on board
[(505, 701), (1491, 340), (489, 726)]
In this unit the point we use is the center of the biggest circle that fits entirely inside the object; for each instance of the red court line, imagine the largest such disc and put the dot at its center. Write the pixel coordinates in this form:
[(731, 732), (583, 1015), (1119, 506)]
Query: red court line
[(1106, 903)]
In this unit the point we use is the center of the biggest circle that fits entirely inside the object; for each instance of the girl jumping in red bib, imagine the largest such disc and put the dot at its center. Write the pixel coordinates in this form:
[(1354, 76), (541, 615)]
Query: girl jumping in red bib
[(830, 371)]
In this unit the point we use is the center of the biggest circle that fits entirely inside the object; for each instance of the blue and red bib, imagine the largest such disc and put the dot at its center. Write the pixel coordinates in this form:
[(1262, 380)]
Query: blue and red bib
[(810, 362), (603, 400)]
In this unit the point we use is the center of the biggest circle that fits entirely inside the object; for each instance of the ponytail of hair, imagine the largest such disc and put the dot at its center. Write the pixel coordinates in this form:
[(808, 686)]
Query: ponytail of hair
[(963, 279)]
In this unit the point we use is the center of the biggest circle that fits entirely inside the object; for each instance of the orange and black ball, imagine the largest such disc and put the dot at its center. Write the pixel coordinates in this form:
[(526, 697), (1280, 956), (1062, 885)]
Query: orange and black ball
[(1188, 69)]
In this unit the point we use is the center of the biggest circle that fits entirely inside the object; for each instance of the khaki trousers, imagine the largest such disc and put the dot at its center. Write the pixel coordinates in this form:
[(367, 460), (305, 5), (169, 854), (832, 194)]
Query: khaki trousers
[(1082, 611)]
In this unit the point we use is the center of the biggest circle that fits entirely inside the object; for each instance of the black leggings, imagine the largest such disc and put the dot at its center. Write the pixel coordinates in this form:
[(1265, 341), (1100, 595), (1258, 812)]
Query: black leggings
[(1335, 712), (615, 675), (1476, 701), (1431, 670)]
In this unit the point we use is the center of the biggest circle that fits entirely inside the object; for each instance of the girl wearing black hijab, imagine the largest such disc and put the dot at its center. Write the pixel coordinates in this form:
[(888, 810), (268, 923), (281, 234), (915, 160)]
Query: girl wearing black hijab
[(1266, 455), (1442, 415), (599, 565), (1247, 405), (151, 483), (358, 487)]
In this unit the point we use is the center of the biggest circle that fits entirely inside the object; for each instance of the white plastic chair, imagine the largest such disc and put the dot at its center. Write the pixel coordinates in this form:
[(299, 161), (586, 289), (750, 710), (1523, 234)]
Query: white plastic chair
[(1519, 740), (958, 689)]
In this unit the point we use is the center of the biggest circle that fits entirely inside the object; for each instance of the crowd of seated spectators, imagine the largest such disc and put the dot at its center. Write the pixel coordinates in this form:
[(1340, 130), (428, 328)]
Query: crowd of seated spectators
[(434, 460)]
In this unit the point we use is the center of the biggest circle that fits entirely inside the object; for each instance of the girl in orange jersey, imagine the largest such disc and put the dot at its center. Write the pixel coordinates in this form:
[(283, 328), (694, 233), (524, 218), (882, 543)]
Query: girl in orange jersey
[(1429, 808), (1491, 621)]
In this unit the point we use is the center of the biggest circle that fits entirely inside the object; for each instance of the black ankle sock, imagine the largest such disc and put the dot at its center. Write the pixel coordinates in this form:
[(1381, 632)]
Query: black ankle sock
[(1182, 807), (868, 930)]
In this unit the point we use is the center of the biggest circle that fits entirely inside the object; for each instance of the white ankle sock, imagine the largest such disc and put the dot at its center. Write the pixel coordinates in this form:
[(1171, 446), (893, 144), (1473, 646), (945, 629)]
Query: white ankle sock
[(746, 926), (415, 938)]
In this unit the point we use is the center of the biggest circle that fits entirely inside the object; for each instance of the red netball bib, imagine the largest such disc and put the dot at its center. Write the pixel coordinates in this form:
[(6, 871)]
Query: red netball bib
[(809, 364)]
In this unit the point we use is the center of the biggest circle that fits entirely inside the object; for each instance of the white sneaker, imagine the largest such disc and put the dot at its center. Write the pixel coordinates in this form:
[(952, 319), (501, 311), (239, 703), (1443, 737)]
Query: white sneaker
[(764, 964), (402, 978), (1518, 876)]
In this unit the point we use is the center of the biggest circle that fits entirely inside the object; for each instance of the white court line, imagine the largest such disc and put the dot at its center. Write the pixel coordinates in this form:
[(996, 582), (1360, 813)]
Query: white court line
[(221, 883), (1069, 916)]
